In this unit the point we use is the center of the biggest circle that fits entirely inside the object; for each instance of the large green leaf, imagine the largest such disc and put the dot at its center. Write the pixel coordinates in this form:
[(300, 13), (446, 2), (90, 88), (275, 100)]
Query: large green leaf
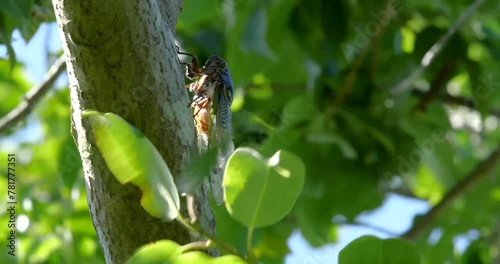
[(199, 257), (259, 192), (159, 252), (372, 250), (166, 251), (13, 14), (131, 157)]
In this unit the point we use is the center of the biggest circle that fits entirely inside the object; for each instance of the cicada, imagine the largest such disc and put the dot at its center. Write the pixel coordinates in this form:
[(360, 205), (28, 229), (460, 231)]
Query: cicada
[(213, 95), (212, 86)]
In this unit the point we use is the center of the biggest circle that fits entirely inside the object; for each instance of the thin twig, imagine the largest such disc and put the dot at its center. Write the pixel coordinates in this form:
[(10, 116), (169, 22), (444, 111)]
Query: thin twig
[(439, 82), (374, 228), (459, 100), (33, 96), (366, 225), (467, 102), (431, 54), (202, 232), (190, 201), (195, 246), (406, 194), (479, 173), (351, 76), (250, 256)]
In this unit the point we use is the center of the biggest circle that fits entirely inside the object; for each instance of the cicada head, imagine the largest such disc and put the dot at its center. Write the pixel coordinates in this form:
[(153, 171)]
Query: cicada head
[(213, 65), (218, 71)]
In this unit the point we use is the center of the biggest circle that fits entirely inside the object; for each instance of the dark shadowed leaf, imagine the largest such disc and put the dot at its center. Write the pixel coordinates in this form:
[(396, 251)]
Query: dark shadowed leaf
[(370, 250)]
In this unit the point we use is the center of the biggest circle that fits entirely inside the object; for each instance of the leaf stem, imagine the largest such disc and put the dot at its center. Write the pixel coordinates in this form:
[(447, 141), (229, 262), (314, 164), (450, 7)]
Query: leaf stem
[(250, 257), (202, 232), (198, 245), (431, 54)]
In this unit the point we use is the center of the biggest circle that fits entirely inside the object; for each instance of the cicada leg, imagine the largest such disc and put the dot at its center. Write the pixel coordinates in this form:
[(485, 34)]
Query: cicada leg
[(202, 116), (198, 99), (193, 69), (200, 102)]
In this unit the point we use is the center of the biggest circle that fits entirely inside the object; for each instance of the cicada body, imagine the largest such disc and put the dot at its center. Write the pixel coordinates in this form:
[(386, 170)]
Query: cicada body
[(202, 104), (202, 114), (213, 94), (213, 86)]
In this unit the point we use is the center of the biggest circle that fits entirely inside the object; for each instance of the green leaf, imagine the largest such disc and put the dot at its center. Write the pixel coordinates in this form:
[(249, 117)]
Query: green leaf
[(18, 9), (395, 250), (131, 157), (163, 251), (299, 110), (194, 14), (260, 192), (254, 36), (370, 249), (7, 26), (314, 220), (334, 19), (50, 244), (169, 252), (370, 129), (199, 257), (366, 249), (24, 15), (230, 231)]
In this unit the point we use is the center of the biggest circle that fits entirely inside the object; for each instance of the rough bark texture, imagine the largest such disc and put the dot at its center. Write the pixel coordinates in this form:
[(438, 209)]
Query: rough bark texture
[(121, 58)]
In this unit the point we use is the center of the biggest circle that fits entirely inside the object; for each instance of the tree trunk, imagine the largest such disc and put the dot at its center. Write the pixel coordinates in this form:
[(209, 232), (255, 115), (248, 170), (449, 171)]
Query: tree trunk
[(121, 58)]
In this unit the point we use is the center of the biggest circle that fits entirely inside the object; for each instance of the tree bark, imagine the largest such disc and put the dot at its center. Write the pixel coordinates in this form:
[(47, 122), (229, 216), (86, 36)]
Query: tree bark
[(121, 58)]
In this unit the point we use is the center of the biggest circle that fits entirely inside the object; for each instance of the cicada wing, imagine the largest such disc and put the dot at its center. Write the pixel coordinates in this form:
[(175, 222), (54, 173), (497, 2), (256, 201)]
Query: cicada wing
[(220, 138), (221, 131), (217, 173), (228, 85)]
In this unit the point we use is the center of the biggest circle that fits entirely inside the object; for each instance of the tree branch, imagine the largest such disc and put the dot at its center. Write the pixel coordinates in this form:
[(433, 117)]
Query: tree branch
[(479, 173), (440, 79), (458, 100), (431, 54), (33, 96), (406, 194), (374, 228), (121, 58), (467, 102)]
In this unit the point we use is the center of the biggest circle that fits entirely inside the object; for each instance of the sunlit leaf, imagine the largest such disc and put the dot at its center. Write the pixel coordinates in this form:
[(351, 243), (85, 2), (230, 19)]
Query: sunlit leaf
[(259, 192), (169, 252), (131, 157), (199, 257), (163, 251)]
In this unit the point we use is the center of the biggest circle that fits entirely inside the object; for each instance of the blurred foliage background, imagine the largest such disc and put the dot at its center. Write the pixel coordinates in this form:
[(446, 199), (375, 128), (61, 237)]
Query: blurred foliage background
[(319, 78)]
